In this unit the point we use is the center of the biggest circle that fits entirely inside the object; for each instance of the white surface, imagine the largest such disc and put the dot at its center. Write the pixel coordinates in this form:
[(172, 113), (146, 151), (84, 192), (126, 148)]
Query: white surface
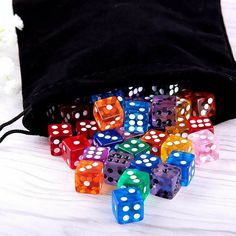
[(37, 194)]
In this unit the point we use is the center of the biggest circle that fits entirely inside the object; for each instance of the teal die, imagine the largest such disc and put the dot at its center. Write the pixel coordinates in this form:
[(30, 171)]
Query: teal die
[(186, 162), (134, 146), (135, 178)]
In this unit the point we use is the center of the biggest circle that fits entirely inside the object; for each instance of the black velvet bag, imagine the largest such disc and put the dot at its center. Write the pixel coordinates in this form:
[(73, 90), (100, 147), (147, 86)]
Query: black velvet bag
[(75, 48)]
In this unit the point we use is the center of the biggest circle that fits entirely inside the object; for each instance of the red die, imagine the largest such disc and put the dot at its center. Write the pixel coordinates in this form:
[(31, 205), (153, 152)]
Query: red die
[(155, 138), (73, 148), (86, 127), (71, 113), (199, 123), (56, 133), (204, 104)]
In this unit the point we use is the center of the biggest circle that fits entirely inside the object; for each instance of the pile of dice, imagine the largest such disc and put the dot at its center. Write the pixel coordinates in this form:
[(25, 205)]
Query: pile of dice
[(142, 145)]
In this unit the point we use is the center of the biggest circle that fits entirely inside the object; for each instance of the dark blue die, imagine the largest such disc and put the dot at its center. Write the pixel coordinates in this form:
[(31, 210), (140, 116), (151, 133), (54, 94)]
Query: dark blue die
[(127, 205), (185, 161), (145, 162), (108, 138), (118, 93), (136, 116)]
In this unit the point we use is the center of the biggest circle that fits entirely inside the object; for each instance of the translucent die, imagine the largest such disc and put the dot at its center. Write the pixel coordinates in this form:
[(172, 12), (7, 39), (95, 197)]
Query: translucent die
[(127, 205), (108, 113), (205, 146), (186, 162)]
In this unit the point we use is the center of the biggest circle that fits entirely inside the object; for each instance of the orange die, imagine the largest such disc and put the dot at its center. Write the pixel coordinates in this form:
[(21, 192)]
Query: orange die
[(183, 109), (175, 143), (89, 177), (155, 138), (108, 113)]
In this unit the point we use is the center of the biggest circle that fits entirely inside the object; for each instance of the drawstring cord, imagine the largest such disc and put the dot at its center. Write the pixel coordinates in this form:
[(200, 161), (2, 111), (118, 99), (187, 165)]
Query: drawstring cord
[(14, 131)]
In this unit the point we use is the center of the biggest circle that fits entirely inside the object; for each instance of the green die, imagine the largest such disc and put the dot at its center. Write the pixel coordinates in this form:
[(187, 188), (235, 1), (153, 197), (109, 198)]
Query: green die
[(134, 146), (135, 178)]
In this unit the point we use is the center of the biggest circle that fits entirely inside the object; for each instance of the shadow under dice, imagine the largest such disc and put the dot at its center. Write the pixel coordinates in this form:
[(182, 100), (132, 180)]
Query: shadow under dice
[(134, 146), (56, 133), (135, 178), (165, 181), (155, 139), (127, 205), (73, 148), (186, 162), (115, 165), (205, 146), (173, 143), (145, 162), (108, 113), (136, 116), (89, 177), (163, 111)]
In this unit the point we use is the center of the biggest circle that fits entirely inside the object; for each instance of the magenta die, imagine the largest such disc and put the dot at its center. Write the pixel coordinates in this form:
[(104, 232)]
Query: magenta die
[(115, 165), (163, 111), (95, 154), (126, 135), (205, 146)]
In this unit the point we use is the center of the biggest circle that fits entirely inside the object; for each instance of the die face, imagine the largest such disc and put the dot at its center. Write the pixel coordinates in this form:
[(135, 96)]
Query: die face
[(127, 205), (175, 143), (135, 178), (183, 108), (134, 146), (165, 180), (71, 113), (108, 138), (95, 154), (89, 177), (186, 162), (136, 116), (204, 104), (133, 92), (87, 128), (145, 162), (56, 133), (72, 149), (200, 123), (115, 165), (127, 135), (205, 146), (163, 111), (155, 139), (108, 113)]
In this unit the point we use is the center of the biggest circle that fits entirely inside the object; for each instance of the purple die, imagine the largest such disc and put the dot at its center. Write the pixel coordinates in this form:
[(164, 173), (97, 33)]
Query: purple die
[(95, 154), (163, 111), (165, 180), (126, 135), (115, 165)]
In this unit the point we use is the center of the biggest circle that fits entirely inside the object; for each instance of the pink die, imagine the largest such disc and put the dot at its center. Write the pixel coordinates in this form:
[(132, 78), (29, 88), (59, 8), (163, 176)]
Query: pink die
[(95, 154), (205, 146)]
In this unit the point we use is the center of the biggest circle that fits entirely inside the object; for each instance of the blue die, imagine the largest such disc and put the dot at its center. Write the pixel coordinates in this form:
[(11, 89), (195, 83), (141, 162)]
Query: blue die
[(108, 138), (185, 161), (118, 93), (145, 162), (127, 205), (136, 116)]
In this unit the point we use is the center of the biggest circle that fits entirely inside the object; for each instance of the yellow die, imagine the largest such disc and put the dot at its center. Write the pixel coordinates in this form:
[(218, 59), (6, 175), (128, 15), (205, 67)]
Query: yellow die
[(175, 143), (183, 108)]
